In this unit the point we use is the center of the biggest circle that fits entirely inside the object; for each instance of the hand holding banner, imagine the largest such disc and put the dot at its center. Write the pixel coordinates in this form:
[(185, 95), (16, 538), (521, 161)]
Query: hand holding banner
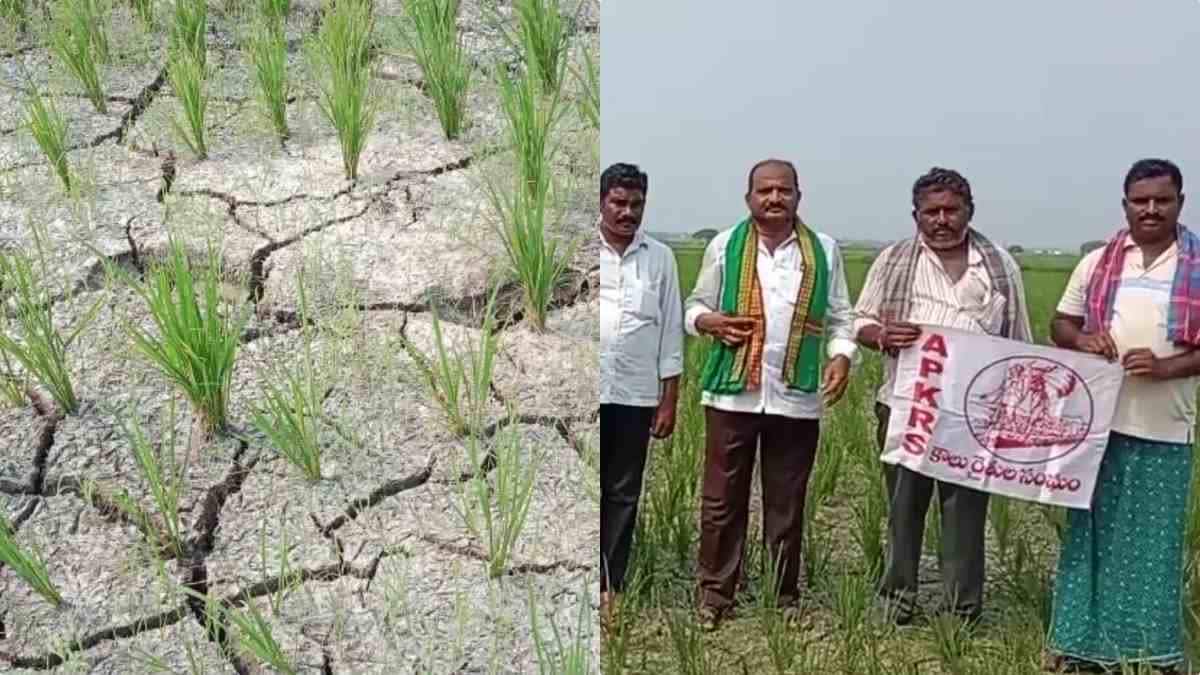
[(1005, 417)]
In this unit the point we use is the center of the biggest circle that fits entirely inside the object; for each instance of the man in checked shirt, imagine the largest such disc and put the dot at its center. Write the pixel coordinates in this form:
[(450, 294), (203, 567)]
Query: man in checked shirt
[(641, 358)]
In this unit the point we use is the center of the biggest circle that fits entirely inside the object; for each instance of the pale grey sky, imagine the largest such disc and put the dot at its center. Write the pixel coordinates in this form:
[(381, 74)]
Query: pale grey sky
[(1041, 105)]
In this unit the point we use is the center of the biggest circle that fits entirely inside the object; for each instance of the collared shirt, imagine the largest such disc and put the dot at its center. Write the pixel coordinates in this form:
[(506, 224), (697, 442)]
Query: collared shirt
[(937, 300), (1155, 410), (641, 321), (780, 275)]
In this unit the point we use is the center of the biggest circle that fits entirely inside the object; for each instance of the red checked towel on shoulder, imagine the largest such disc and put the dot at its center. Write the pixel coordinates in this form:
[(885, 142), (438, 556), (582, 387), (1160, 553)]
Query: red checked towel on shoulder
[(1183, 315)]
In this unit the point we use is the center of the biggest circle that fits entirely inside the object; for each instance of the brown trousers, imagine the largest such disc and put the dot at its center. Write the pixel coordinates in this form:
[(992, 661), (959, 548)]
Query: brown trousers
[(788, 447)]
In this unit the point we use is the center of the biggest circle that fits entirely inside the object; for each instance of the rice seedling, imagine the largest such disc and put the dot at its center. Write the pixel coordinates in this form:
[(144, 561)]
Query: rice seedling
[(145, 11), (531, 116), (289, 417), (542, 36), (589, 81), (496, 513), (255, 637), (197, 341), (274, 11), (573, 657), (268, 53), (446, 378), (783, 642), (49, 130), (16, 12), (436, 45), (41, 349), (13, 384), (688, 644), (189, 30), (534, 257), (1000, 515), (951, 636), (77, 40), (460, 381), (869, 515), (27, 564), (164, 473), (188, 78), (340, 54)]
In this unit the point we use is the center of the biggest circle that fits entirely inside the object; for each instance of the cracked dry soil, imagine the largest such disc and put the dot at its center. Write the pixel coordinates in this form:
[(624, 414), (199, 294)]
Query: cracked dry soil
[(371, 569)]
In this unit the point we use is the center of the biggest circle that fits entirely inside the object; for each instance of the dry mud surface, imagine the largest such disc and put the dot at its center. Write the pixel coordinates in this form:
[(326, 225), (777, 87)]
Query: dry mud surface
[(371, 569)]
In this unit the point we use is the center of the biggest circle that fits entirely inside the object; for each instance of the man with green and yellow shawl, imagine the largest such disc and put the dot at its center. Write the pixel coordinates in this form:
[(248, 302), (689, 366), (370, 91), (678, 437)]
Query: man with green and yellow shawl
[(772, 292)]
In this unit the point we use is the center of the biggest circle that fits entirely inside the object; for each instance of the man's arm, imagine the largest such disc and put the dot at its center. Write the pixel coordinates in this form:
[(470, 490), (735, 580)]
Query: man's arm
[(670, 348), (703, 315), (839, 315), (869, 330), (670, 337), (1066, 328), (663, 424), (868, 326), (1143, 362), (705, 296)]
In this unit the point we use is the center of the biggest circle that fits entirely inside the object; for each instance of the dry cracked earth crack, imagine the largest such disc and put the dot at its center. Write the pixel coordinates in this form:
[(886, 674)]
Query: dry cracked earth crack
[(343, 560)]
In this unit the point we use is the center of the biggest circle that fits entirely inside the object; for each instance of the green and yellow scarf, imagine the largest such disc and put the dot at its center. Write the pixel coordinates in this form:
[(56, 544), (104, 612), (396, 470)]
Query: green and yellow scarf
[(732, 370)]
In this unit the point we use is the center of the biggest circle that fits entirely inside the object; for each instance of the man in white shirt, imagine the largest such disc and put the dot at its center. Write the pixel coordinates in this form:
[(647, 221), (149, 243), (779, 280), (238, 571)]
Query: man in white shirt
[(946, 275), (1119, 594), (641, 359), (770, 290)]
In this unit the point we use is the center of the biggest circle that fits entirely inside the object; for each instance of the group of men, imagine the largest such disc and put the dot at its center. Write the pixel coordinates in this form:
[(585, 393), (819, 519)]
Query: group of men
[(772, 295)]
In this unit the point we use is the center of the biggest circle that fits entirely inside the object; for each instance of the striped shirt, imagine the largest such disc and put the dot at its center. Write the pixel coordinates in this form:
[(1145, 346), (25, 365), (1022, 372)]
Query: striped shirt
[(779, 275), (937, 300), (641, 321)]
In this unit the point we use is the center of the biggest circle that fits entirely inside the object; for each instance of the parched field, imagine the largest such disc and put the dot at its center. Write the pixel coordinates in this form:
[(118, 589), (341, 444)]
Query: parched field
[(297, 336), (844, 545)]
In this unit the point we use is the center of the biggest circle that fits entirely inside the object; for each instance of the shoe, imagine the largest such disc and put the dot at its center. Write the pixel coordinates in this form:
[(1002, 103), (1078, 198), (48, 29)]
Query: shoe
[(709, 618)]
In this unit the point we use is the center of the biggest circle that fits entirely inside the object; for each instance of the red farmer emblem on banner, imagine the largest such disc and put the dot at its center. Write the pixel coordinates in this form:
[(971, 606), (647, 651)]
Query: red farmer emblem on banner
[(1011, 418), (1018, 403)]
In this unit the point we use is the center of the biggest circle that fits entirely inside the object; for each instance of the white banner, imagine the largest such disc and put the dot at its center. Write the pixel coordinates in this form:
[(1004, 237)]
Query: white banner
[(1005, 417)]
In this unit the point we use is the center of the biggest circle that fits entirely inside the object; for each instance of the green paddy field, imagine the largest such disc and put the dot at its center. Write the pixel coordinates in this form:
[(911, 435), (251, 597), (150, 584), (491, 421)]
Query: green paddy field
[(846, 514)]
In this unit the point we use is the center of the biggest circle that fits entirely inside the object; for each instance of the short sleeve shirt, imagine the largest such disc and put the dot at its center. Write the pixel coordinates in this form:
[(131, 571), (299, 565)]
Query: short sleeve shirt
[(1158, 411)]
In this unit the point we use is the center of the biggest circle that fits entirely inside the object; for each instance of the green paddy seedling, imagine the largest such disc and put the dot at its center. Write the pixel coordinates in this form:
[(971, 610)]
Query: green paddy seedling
[(188, 79), (26, 564), (37, 344), (433, 39), (195, 341), (268, 54), (340, 55), (80, 41), (49, 130), (255, 637)]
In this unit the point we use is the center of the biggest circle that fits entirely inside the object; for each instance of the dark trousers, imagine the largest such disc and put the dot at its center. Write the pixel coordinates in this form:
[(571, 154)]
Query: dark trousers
[(964, 516), (788, 448), (624, 436)]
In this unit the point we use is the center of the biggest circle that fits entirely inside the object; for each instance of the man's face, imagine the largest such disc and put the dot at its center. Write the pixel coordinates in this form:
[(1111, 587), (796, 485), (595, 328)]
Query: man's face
[(942, 219), (1152, 207), (773, 195), (621, 212)]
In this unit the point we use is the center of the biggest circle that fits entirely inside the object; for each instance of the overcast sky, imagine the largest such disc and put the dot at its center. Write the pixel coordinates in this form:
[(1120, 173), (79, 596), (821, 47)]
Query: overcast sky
[(1042, 105)]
